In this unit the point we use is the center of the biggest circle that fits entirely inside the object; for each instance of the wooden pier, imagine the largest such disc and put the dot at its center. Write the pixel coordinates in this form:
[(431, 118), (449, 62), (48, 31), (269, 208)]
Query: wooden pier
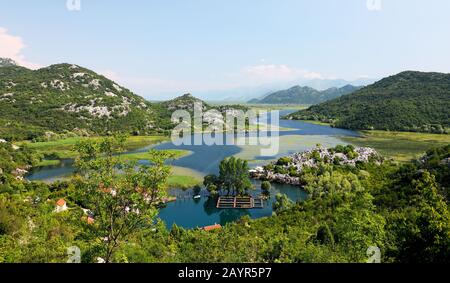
[(239, 203)]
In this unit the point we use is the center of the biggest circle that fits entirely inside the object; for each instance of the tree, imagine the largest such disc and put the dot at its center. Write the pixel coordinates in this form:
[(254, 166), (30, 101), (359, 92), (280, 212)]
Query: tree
[(265, 187), (234, 177), (122, 200), (197, 189), (282, 203), (349, 221), (211, 182), (422, 229), (151, 179)]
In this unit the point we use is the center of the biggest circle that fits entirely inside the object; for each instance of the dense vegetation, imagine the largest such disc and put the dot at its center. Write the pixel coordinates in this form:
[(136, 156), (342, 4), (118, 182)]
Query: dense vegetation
[(13, 158), (409, 101), (401, 146), (304, 95), (401, 209), (6, 62)]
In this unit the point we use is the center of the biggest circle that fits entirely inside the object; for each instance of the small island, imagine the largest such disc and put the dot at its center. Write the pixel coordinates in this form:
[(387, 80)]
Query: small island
[(288, 170), (231, 187)]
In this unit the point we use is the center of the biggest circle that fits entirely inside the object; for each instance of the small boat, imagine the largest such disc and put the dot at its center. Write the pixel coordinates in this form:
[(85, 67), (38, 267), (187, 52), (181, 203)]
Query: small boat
[(197, 196)]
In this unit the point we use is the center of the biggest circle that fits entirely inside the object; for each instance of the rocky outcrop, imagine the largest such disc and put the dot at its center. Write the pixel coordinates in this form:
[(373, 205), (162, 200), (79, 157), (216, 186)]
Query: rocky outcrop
[(311, 158)]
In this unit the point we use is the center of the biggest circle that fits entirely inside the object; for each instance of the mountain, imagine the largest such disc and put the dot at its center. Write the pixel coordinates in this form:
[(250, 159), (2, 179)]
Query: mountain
[(304, 95), (188, 102), (184, 102), (64, 98), (294, 95), (408, 101), (248, 93), (335, 92), (6, 62), (323, 84)]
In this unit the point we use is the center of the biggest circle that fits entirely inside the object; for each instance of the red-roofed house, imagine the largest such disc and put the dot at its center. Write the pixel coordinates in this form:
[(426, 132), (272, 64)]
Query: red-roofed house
[(61, 205), (212, 227), (90, 220)]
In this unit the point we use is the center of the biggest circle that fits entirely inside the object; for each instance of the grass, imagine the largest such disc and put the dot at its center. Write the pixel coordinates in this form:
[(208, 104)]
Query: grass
[(315, 122), (184, 178), (181, 178), (182, 182), (178, 153), (270, 107), (401, 146), (48, 162), (141, 141), (64, 149)]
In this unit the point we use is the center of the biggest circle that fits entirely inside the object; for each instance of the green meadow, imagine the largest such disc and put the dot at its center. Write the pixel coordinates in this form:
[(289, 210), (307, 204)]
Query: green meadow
[(138, 156), (63, 149), (184, 178), (48, 162), (401, 146), (270, 107)]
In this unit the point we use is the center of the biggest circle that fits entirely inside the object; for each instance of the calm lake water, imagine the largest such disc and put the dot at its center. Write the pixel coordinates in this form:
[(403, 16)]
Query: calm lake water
[(190, 213)]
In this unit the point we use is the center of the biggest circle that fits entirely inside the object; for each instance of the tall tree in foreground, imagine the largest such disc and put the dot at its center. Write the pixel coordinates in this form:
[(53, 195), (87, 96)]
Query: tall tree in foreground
[(120, 197)]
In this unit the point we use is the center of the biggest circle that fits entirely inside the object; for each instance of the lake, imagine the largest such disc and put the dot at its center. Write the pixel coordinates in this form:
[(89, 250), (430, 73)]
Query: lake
[(187, 212)]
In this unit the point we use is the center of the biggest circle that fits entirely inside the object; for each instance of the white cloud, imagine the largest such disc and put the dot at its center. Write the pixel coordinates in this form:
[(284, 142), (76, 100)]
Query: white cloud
[(11, 47), (275, 73), (250, 76)]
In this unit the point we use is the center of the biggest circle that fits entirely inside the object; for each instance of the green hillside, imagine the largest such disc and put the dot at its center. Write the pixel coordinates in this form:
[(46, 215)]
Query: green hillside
[(409, 101), (68, 98)]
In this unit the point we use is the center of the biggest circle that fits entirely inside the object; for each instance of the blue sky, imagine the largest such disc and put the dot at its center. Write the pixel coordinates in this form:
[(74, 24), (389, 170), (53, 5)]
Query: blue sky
[(164, 48)]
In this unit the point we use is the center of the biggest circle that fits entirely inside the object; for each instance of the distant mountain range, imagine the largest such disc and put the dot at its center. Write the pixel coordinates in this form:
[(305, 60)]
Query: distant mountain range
[(244, 94), (304, 95), (408, 101), (67, 98)]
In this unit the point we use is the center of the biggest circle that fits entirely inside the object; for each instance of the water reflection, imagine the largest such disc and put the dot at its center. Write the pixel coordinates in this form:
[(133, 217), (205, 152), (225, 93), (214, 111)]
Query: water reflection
[(191, 213)]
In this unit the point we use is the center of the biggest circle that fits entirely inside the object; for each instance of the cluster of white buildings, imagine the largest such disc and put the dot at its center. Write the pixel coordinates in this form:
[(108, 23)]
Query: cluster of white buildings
[(309, 159)]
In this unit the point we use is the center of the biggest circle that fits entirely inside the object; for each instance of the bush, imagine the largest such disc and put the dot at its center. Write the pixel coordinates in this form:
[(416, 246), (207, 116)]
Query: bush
[(265, 186)]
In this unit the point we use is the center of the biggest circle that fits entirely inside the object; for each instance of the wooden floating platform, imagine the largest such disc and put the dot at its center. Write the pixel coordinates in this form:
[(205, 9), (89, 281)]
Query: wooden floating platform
[(239, 203)]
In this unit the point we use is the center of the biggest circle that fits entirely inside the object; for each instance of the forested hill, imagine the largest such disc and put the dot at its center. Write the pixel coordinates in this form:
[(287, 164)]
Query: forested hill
[(304, 95), (409, 101), (6, 62), (66, 97)]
